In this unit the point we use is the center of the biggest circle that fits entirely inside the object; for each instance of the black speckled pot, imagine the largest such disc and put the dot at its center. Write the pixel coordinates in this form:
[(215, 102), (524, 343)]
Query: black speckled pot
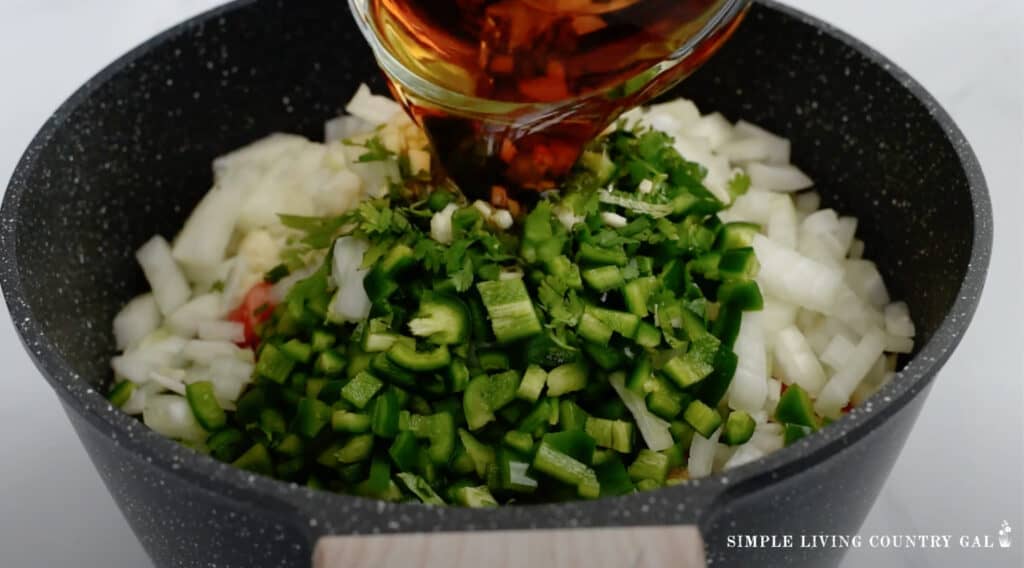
[(129, 155)]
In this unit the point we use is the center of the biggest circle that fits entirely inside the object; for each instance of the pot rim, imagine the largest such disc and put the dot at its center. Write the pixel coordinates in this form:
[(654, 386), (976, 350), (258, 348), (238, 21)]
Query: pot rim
[(265, 493)]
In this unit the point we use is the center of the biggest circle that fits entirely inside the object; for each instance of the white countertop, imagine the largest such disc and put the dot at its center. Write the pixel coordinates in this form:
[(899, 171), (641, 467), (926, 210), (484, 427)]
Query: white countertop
[(960, 472)]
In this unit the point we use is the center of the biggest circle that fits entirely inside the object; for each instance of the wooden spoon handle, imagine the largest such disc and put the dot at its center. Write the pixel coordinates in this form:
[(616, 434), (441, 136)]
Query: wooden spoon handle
[(673, 546)]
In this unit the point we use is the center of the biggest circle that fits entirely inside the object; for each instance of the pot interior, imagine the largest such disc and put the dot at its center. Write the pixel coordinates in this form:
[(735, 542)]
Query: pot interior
[(130, 155)]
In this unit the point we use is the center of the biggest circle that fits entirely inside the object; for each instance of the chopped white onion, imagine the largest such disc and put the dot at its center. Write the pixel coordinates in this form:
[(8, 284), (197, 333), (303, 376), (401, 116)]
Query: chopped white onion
[(614, 220), (219, 330), (749, 387), (200, 246), (837, 352), (712, 127), (783, 177), (897, 344), (441, 224), (743, 455), (794, 278), (778, 148), (168, 282), (374, 109), (897, 320), (796, 362), (171, 416), (186, 319), (203, 351), (137, 319), (702, 454), (170, 379), (350, 302), (841, 385), (653, 430), (345, 127), (863, 278)]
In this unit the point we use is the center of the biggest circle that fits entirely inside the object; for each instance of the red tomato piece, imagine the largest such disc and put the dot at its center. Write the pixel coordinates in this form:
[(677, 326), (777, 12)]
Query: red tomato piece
[(256, 308)]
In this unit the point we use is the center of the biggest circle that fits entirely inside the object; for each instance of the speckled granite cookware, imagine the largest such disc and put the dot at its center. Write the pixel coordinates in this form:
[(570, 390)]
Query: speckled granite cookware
[(129, 155)]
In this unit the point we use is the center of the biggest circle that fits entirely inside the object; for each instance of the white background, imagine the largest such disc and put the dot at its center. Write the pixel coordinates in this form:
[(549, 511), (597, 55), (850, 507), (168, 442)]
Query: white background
[(960, 473)]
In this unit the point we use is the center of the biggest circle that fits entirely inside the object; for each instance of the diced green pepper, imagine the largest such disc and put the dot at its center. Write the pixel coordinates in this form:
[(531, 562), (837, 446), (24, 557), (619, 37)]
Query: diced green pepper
[(384, 417), (566, 378), (739, 427), (361, 389), (352, 422), (204, 405), (704, 419), (604, 278), (408, 357), (795, 407), (510, 309), (256, 459), (311, 416), (649, 465), (274, 364), (121, 392)]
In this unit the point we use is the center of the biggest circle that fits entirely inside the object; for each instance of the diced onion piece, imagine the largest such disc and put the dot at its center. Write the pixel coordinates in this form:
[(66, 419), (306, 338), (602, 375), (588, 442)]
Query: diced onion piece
[(229, 375), (712, 127), (702, 454), (170, 415), (136, 403), (838, 389), (502, 219), (745, 150), (796, 362), (260, 251), (743, 455), (170, 379), (673, 115), (776, 315), (749, 387), (837, 352), (218, 330), (794, 278), (782, 226), (808, 202), (350, 302), (203, 351), (897, 320), (767, 437), (168, 282), (441, 224), (137, 319), (345, 127), (200, 246), (778, 177), (419, 161), (614, 220), (185, 320), (158, 350), (259, 154), (863, 277), (845, 231), (778, 147), (854, 312), (897, 344), (653, 430), (374, 109)]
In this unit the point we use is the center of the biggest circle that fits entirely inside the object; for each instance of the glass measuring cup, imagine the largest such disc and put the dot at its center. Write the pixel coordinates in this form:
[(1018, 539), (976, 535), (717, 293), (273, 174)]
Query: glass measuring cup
[(546, 78)]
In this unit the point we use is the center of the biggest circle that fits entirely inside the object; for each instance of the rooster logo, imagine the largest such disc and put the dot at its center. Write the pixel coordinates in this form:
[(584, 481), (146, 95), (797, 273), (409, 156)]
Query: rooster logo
[(1004, 535)]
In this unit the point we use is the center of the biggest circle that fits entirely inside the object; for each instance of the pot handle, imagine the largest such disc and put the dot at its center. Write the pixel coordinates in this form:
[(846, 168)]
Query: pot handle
[(679, 546)]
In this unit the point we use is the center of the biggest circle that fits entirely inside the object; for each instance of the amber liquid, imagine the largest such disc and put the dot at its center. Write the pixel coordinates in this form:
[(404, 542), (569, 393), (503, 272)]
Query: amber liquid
[(582, 62)]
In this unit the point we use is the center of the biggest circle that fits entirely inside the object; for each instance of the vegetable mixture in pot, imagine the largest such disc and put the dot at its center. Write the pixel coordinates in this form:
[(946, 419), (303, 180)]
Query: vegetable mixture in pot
[(335, 315)]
